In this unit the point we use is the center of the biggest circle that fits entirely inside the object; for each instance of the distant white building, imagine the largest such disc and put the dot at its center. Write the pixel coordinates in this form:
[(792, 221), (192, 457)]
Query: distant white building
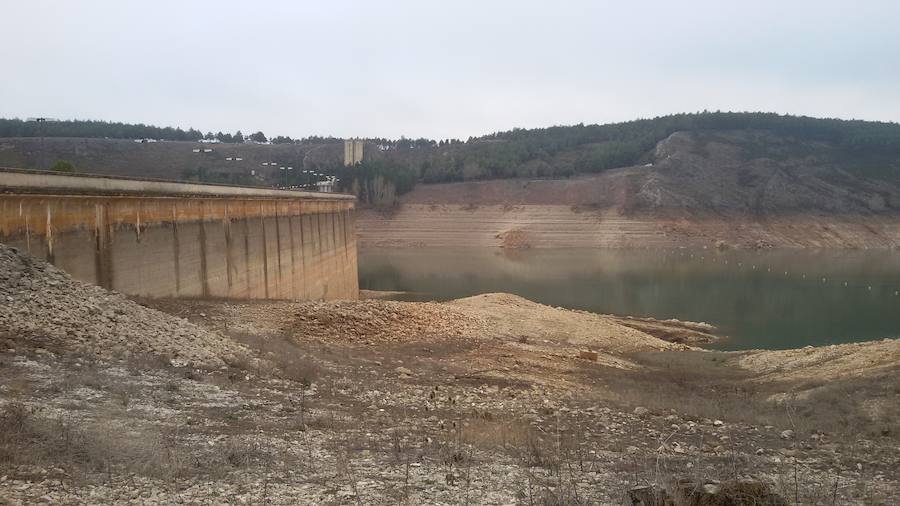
[(325, 186)]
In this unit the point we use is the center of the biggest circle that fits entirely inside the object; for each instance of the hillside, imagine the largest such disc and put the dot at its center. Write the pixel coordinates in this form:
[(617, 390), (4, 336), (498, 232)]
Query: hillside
[(749, 172), (170, 159), (738, 188), (748, 165)]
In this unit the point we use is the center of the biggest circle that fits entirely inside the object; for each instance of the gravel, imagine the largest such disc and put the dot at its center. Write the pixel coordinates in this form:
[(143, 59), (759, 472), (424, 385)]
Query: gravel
[(42, 307), (385, 321)]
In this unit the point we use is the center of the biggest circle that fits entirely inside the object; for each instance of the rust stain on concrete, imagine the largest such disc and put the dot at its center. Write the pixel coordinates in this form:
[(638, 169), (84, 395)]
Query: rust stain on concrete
[(191, 246)]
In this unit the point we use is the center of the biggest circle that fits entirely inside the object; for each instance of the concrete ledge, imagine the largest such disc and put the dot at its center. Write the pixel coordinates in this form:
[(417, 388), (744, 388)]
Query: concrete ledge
[(33, 181)]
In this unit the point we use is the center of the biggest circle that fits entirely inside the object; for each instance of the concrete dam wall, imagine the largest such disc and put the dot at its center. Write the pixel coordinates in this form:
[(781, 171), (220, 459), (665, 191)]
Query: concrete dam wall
[(164, 239)]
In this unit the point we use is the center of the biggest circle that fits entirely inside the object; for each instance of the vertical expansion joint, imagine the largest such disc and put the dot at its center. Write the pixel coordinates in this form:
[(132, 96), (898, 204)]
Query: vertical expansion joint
[(49, 233), (137, 222)]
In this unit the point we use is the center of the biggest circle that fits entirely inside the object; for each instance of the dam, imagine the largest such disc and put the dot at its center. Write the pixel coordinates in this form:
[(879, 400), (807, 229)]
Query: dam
[(168, 239)]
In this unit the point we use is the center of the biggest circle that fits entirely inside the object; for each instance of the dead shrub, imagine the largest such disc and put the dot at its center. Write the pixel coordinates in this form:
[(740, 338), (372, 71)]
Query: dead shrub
[(689, 492), (238, 453), (490, 434), (28, 439), (510, 436), (87, 377), (287, 358), (140, 362)]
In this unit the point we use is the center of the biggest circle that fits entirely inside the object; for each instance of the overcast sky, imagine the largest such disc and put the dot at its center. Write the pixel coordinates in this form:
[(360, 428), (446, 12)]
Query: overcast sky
[(442, 69)]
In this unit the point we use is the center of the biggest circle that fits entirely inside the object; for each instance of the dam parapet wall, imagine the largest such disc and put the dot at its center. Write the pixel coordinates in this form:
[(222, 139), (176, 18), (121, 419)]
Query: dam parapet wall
[(169, 239)]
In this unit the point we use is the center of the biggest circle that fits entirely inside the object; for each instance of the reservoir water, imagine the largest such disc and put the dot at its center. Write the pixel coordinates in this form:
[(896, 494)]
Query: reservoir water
[(771, 299)]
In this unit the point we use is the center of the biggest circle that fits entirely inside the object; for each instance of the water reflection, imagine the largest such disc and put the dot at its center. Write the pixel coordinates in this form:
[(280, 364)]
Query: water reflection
[(778, 299)]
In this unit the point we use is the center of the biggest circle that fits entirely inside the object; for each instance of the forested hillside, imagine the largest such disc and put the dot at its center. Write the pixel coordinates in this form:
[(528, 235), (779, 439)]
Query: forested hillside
[(91, 129), (393, 167), (562, 151)]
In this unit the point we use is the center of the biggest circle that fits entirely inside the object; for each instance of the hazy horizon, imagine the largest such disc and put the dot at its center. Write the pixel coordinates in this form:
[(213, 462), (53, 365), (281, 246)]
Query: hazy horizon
[(416, 70)]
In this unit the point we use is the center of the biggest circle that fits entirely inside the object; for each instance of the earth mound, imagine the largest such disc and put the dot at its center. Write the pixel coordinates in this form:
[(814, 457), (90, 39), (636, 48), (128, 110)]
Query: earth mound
[(381, 320), (43, 308)]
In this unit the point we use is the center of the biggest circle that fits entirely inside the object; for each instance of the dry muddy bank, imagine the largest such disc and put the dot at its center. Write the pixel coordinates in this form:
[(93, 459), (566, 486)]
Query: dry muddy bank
[(413, 225)]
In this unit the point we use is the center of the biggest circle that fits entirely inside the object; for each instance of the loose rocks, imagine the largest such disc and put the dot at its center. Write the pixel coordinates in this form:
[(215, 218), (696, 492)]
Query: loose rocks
[(379, 320), (45, 308)]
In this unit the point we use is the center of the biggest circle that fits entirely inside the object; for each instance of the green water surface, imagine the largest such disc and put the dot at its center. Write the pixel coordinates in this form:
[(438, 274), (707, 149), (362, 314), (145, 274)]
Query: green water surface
[(773, 299)]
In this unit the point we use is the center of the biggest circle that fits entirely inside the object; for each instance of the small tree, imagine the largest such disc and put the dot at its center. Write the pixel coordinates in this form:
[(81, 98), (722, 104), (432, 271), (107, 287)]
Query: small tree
[(238, 137), (258, 137), (62, 166)]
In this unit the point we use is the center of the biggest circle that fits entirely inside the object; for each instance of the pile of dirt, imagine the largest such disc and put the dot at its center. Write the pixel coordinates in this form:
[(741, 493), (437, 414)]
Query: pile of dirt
[(381, 320), (514, 316), (42, 307), (497, 317), (514, 239)]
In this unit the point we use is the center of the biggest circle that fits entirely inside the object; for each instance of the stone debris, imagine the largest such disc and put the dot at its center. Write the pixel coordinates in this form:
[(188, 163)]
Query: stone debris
[(45, 309), (380, 321)]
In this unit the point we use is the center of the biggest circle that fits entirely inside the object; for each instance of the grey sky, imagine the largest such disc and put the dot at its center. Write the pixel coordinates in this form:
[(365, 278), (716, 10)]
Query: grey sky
[(443, 69)]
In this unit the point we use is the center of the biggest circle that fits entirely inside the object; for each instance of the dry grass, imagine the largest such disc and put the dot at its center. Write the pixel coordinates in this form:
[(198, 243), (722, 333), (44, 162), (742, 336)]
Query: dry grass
[(851, 407), (708, 385), (89, 450), (83, 449), (277, 356), (689, 492), (490, 434)]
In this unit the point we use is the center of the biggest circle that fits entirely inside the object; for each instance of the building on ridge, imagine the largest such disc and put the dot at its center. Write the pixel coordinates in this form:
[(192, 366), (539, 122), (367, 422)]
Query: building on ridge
[(353, 151)]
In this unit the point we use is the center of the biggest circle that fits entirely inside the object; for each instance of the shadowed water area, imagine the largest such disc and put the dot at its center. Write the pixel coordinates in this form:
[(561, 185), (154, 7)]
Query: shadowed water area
[(773, 299)]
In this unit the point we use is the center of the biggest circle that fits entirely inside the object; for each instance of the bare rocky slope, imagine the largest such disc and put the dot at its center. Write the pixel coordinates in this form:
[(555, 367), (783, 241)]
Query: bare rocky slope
[(491, 399), (43, 308), (740, 188)]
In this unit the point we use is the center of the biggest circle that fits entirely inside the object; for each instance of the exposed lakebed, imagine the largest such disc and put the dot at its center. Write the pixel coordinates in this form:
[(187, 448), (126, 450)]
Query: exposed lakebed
[(770, 299)]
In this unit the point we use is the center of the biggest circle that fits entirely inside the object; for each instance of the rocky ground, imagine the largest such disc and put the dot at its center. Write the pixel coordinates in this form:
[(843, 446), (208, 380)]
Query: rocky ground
[(487, 400), (42, 307)]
